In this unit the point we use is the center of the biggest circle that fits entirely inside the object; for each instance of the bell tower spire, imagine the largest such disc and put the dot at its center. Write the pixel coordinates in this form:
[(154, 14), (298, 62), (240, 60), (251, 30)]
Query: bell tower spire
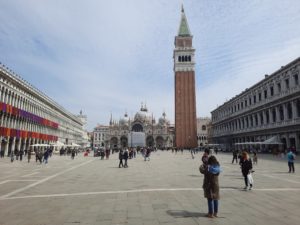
[(184, 29), (185, 93)]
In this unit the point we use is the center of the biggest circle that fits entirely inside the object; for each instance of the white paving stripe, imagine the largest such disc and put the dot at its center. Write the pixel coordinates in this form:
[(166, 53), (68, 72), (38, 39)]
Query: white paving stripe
[(7, 181), (28, 175), (141, 191), (280, 178), (43, 180)]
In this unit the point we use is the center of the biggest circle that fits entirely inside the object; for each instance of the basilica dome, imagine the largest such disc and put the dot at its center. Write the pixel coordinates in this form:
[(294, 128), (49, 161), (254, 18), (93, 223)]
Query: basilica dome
[(124, 121), (163, 120)]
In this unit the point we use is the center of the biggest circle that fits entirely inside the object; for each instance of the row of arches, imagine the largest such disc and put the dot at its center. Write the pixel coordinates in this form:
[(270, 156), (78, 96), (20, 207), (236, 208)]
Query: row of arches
[(184, 58), (158, 142)]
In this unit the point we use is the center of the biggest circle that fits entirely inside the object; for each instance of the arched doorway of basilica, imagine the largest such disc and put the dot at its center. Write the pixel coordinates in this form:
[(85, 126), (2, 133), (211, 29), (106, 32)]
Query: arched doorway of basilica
[(137, 127), (124, 141), (159, 142), (150, 141), (114, 143)]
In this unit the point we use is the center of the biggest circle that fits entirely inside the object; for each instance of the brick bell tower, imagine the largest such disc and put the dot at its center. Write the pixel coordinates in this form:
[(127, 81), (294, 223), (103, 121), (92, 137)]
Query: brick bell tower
[(185, 97)]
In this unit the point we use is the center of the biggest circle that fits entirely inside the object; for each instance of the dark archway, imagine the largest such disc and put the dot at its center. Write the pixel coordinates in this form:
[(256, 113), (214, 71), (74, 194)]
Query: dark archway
[(150, 141), (137, 127), (114, 143), (159, 142), (281, 113)]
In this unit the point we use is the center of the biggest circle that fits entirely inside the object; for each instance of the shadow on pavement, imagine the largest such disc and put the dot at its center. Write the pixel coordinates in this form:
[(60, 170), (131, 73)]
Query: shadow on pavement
[(183, 213)]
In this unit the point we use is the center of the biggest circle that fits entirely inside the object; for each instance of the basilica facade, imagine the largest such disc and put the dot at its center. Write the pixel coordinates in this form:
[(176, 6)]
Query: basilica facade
[(124, 132)]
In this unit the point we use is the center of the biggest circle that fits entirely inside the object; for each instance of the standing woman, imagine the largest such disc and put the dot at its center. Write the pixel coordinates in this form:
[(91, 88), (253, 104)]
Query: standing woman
[(211, 186), (246, 166)]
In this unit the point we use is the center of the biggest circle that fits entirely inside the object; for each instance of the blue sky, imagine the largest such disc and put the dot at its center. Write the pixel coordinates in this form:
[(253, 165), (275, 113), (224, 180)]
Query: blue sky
[(109, 56)]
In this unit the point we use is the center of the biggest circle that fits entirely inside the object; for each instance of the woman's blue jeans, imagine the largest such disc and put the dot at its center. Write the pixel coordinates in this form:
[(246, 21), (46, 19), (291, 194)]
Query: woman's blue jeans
[(212, 206)]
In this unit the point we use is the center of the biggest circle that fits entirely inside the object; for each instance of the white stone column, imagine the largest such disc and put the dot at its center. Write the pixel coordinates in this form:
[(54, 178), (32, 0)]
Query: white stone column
[(258, 119), (19, 145), (277, 114), (270, 115), (6, 146), (264, 117), (294, 109)]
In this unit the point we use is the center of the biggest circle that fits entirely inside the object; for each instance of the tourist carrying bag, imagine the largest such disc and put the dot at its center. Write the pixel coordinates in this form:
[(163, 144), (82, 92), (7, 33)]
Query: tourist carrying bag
[(250, 178)]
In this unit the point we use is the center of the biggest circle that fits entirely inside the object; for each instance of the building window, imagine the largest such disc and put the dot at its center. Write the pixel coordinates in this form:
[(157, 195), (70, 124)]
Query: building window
[(265, 94), (279, 87), (296, 79), (254, 99), (267, 116), (250, 101), (245, 103), (289, 111), (287, 84), (259, 97), (242, 105), (274, 115), (256, 120), (281, 113), (203, 127), (261, 118), (272, 91)]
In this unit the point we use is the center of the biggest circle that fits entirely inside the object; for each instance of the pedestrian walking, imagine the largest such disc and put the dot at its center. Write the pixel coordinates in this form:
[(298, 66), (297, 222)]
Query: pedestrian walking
[(12, 157), (291, 157), (121, 158), (255, 157), (246, 167), (210, 186), (46, 156), (125, 156), (21, 155), (28, 155), (73, 154), (191, 150), (234, 156)]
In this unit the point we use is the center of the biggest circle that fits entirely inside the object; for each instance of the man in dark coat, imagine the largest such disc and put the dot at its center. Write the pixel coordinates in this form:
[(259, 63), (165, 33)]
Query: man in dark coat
[(121, 159), (246, 166), (126, 154)]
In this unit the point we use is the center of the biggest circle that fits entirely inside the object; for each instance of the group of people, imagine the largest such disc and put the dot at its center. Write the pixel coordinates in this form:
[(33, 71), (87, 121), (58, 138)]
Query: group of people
[(123, 155), (211, 169)]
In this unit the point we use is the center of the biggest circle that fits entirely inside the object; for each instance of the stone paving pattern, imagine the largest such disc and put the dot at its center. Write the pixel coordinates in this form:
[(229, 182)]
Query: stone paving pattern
[(165, 190)]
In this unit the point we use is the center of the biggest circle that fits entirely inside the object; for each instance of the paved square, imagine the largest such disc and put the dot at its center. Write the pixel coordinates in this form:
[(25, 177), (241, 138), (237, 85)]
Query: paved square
[(165, 190)]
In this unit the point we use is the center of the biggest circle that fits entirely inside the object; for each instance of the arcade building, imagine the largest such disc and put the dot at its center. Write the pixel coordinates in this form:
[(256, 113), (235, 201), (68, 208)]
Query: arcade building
[(28, 116)]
